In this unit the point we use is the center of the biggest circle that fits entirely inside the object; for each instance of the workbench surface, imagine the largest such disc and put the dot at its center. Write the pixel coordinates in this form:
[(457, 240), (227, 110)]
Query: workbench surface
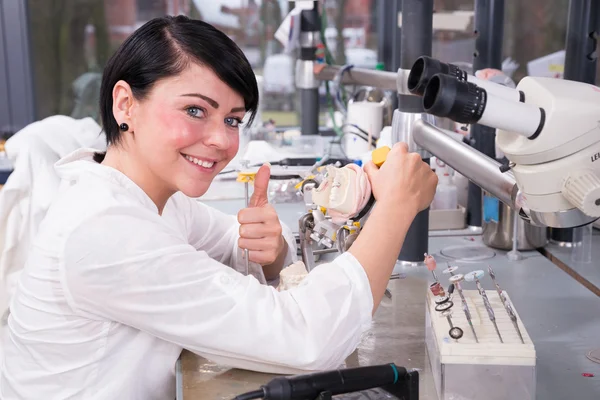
[(589, 270), (561, 316)]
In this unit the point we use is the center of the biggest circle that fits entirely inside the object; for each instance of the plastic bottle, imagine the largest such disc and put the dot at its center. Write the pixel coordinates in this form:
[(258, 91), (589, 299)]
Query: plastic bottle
[(446, 195)]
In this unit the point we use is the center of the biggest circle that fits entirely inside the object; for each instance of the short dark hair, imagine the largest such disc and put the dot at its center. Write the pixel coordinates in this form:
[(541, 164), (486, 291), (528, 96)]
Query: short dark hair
[(164, 47)]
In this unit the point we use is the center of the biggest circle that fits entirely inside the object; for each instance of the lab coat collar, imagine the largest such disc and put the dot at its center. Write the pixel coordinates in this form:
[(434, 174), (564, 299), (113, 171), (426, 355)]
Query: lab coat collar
[(81, 161)]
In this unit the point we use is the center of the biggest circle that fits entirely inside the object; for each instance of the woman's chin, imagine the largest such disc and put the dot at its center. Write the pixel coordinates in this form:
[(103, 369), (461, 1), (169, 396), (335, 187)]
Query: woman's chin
[(196, 190)]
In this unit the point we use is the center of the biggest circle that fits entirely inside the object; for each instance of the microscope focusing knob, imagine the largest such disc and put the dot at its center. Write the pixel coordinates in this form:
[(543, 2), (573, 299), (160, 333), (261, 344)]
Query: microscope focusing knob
[(582, 189)]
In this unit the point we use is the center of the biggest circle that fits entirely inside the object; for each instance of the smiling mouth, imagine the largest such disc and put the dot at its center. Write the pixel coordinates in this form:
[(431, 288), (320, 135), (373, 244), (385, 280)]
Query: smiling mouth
[(198, 162)]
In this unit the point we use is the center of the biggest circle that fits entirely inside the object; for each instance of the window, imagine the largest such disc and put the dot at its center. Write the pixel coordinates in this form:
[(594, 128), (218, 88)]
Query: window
[(72, 40), (148, 9)]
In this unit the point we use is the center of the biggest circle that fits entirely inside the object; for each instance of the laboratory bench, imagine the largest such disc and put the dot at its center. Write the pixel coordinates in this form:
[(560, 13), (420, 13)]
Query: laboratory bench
[(560, 314)]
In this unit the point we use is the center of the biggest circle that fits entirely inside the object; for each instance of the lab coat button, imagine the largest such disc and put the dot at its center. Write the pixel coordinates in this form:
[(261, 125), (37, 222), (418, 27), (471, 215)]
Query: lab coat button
[(225, 280)]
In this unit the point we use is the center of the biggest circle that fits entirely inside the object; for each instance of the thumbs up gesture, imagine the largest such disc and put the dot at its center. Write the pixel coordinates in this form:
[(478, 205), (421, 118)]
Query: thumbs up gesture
[(260, 229)]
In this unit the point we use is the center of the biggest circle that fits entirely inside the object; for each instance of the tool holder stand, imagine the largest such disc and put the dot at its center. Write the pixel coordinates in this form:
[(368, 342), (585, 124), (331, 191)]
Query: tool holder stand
[(489, 369)]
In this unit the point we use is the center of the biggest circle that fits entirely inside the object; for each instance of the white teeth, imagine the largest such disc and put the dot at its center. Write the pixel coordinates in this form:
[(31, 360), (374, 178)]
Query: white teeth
[(205, 164), (333, 195)]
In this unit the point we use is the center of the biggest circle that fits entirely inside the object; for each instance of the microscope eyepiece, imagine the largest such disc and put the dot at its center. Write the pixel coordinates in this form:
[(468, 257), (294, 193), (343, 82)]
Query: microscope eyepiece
[(426, 68), (467, 103), (461, 101)]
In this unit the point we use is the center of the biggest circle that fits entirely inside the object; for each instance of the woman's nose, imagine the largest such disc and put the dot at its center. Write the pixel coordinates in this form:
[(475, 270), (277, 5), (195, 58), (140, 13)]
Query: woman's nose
[(217, 136)]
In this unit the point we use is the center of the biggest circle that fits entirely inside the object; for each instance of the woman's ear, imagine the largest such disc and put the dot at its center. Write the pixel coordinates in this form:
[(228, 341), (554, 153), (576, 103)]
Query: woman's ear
[(123, 103)]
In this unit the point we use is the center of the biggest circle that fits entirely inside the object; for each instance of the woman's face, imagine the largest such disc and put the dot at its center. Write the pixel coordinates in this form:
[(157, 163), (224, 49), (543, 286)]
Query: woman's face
[(187, 130)]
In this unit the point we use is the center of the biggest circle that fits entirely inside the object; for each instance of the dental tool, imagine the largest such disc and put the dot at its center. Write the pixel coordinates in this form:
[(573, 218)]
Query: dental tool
[(513, 318), (474, 277), (246, 177), (455, 332), (507, 305), (431, 265), (456, 279)]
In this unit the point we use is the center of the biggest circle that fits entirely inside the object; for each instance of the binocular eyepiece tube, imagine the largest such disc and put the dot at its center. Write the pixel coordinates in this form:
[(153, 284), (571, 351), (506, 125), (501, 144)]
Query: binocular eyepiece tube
[(426, 67), (464, 102)]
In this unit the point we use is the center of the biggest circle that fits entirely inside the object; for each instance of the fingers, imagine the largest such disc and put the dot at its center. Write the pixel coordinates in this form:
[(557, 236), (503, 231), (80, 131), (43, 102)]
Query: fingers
[(262, 251), (259, 230), (267, 257), (401, 147), (264, 214), (264, 244), (370, 168), (260, 195)]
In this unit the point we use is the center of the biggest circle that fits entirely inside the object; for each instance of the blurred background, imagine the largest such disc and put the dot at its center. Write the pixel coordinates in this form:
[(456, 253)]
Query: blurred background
[(67, 43)]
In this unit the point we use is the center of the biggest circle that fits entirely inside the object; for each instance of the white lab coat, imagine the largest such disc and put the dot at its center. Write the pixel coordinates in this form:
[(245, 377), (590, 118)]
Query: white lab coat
[(112, 292), (30, 189)]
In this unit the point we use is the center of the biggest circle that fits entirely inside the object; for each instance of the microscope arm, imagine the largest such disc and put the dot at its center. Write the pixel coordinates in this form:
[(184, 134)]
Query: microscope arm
[(485, 173), (477, 167)]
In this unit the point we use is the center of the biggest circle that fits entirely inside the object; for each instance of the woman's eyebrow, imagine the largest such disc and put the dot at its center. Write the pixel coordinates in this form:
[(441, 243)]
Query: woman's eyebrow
[(210, 101), (238, 109)]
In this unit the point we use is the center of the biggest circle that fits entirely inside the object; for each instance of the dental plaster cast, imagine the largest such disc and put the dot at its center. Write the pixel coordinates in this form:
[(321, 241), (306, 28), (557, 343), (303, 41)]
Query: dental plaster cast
[(344, 192), (292, 276)]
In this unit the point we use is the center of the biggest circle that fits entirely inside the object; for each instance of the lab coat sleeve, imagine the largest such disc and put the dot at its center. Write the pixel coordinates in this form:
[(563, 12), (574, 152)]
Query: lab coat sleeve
[(217, 234), (126, 266)]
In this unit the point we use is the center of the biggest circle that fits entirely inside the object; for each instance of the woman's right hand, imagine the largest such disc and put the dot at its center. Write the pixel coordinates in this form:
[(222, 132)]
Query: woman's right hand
[(403, 180)]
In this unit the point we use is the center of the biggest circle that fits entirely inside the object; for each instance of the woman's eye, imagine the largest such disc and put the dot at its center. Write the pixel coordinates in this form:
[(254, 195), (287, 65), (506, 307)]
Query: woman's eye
[(195, 112), (233, 122)]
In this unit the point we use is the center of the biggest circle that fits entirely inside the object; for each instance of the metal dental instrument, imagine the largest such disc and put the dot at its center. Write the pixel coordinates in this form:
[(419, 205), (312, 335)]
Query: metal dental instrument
[(455, 279), (493, 276), (247, 198), (431, 265), (450, 270), (474, 277), (507, 306), (436, 288), (455, 332), (513, 318), (246, 177)]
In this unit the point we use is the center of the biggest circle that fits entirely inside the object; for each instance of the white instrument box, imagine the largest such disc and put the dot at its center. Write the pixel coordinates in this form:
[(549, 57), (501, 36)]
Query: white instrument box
[(466, 370)]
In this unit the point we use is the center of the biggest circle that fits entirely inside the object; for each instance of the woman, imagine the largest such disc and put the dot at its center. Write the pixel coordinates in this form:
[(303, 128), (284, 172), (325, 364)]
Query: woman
[(127, 270)]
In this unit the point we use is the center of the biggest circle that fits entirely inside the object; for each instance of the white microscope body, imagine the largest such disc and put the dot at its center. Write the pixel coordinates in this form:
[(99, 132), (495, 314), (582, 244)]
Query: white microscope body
[(559, 170)]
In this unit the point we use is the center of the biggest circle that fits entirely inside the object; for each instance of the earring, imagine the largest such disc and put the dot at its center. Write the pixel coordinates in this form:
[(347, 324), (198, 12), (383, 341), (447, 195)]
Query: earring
[(124, 126)]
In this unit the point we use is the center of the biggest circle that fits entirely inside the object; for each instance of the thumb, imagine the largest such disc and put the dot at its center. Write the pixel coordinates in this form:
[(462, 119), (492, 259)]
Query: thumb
[(261, 186), (370, 169)]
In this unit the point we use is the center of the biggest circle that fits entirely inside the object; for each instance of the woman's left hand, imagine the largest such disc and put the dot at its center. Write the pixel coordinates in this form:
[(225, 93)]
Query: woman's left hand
[(260, 229)]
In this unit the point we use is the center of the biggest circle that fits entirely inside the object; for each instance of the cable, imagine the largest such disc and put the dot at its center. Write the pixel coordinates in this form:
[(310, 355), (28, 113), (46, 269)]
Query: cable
[(337, 80), (357, 127), (257, 394)]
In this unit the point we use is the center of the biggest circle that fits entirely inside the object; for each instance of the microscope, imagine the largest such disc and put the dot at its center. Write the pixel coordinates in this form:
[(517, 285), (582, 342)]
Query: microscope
[(548, 129)]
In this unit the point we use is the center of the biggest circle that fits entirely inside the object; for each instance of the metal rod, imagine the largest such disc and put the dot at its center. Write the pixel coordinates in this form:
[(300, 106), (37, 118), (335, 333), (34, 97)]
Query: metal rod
[(319, 252), (386, 22), (489, 32), (358, 76), (309, 111), (466, 309), (507, 306), (417, 31), (580, 62), (478, 168), (488, 307), (513, 318), (416, 41), (310, 26), (247, 197)]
